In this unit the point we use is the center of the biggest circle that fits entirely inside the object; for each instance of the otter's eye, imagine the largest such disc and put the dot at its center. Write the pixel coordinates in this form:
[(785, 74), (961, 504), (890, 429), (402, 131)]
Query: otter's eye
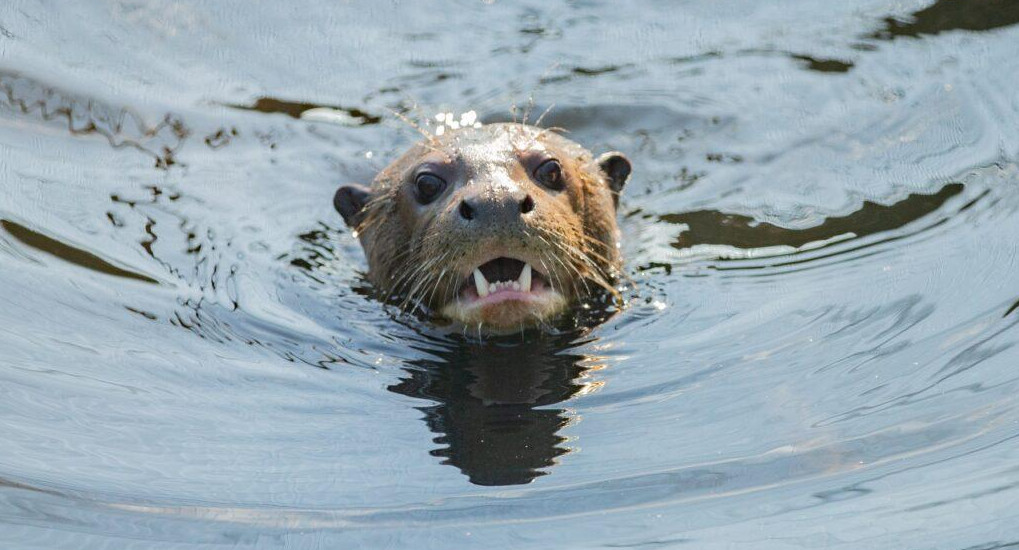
[(428, 186), (550, 174)]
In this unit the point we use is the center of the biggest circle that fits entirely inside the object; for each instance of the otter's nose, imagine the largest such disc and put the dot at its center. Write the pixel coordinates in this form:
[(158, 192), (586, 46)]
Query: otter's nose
[(505, 207)]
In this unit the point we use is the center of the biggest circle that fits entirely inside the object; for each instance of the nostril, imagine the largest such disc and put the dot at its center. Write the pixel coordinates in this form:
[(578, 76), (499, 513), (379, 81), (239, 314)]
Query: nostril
[(526, 205), (466, 212)]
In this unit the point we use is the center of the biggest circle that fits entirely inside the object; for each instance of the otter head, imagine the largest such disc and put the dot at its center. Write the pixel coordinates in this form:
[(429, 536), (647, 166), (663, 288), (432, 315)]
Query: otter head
[(498, 227)]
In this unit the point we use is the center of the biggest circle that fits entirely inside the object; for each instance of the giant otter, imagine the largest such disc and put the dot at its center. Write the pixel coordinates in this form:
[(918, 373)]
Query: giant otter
[(498, 227)]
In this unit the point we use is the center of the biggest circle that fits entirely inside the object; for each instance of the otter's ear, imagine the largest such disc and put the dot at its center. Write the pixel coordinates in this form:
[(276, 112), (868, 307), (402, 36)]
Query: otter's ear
[(616, 168), (349, 202)]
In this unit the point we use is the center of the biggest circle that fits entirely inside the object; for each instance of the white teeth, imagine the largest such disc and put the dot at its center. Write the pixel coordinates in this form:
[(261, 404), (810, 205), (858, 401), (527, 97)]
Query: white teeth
[(481, 283), (522, 284), (525, 278)]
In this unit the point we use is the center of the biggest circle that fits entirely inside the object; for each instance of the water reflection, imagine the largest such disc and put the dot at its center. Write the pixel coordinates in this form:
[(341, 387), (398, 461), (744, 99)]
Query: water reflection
[(491, 415), (120, 126), (948, 15), (714, 227), (297, 109), (823, 65), (68, 253)]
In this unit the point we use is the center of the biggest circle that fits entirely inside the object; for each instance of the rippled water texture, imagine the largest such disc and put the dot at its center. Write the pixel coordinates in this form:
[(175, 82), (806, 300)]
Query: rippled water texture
[(819, 349)]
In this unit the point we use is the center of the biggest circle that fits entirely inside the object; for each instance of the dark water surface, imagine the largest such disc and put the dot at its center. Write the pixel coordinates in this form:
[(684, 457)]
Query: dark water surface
[(819, 349)]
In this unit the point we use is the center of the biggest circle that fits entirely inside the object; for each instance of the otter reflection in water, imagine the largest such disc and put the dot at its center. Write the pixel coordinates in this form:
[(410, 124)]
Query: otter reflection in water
[(491, 414)]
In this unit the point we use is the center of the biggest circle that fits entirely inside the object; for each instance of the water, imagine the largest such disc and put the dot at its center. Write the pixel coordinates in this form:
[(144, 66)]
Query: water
[(819, 349)]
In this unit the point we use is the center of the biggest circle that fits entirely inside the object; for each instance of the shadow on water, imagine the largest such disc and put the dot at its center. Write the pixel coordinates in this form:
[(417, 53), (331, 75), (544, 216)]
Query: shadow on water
[(714, 227), (950, 15), (491, 413)]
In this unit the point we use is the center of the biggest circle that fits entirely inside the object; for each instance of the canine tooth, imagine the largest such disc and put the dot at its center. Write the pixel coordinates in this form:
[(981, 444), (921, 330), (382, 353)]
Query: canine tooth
[(525, 278), (481, 283)]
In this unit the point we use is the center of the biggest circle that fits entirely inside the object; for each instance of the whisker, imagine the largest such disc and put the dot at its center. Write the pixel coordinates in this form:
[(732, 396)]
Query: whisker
[(428, 136), (542, 117), (530, 106)]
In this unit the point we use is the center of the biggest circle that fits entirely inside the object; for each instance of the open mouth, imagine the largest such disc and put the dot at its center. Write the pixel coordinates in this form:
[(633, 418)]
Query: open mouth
[(505, 295), (503, 279)]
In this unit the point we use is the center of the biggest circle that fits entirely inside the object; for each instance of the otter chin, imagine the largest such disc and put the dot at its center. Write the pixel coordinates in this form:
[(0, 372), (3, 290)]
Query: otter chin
[(499, 228)]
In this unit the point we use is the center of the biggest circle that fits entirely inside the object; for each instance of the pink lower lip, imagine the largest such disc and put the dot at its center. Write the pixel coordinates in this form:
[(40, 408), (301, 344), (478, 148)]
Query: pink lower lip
[(503, 296), (537, 293)]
